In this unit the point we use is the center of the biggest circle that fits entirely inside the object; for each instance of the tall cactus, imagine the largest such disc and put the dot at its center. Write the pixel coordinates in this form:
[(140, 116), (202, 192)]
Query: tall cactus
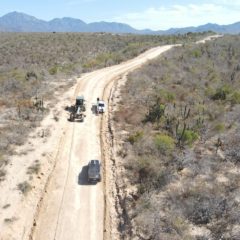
[(180, 138), (186, 112)]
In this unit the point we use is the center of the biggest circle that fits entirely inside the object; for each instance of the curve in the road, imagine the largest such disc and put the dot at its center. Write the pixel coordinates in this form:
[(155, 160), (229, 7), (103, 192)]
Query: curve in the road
[(73, 210)]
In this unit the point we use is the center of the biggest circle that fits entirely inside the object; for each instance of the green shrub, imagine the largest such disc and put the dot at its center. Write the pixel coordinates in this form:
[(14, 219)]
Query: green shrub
[(143, 163), (209, 92), (164, 143), (135, 137), (141, 188), (166, 96), (221, 93), (189, 137), (219, 127), (235, 97), (102, 59), (90, 64), (196, 53), (18, 74), (53, 70), (156, 112)]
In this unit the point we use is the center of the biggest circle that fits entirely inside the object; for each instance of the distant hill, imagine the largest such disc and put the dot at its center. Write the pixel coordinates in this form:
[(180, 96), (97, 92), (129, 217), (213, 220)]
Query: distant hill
[(21, 22), (226, 29)]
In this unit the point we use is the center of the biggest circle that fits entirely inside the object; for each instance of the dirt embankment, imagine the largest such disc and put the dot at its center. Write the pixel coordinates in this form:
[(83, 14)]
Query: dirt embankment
[(118, 188), (114, 216)]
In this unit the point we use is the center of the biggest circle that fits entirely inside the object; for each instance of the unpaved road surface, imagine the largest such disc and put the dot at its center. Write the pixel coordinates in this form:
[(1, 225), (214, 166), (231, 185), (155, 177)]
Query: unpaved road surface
[(71, 208)]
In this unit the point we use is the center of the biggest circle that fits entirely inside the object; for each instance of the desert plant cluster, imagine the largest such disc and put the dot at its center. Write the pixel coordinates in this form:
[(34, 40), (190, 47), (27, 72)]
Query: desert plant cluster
[(182, 151), (33, 65)]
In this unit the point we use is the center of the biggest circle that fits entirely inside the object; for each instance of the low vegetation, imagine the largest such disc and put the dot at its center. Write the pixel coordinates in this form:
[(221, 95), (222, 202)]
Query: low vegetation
[(182, 153), (10, 220), (33, 66), (24, 187), (2, 174), (6, 206), (34, 169)]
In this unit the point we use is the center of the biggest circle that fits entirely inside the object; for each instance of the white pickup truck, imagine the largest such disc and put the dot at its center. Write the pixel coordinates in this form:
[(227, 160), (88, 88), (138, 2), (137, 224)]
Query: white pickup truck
[(100, 106)]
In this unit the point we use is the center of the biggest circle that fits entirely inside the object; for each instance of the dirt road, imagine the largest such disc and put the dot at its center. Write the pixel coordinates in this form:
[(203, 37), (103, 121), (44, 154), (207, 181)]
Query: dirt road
[(72, 209)]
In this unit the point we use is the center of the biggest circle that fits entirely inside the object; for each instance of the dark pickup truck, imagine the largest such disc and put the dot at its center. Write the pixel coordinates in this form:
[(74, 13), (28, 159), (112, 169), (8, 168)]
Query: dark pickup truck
[(94, 173)]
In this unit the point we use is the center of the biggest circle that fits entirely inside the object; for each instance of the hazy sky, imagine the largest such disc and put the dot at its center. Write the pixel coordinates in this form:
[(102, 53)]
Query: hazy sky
[(157, 15)]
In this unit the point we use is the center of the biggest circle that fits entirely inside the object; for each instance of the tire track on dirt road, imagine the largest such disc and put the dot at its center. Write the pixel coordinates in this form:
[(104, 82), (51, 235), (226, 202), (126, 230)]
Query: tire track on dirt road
[(66, 179)]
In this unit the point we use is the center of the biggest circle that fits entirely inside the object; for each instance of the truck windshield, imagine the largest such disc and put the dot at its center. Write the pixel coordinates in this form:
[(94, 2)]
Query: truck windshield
[(101, 104)]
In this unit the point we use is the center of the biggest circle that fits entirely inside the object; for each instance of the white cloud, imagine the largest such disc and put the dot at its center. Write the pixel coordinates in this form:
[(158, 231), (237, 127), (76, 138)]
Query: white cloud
[(223, 12), (229, 2)]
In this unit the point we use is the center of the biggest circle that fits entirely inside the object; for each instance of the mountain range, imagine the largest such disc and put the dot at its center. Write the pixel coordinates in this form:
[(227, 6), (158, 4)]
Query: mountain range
[(21, 22)]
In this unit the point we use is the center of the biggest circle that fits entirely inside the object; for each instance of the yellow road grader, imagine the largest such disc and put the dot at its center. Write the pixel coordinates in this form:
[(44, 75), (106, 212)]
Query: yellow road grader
[(77, 110)]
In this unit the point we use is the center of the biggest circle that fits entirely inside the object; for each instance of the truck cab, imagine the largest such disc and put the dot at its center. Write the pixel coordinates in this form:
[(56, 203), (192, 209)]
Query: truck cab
[(101, 106), (80, 102)]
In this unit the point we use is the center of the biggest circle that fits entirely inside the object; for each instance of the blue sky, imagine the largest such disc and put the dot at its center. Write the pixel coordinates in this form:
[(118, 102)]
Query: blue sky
[(154, 14)]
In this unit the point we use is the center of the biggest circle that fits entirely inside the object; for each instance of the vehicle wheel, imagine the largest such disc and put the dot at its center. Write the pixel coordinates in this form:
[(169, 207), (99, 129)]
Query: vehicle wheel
[(72, 118)]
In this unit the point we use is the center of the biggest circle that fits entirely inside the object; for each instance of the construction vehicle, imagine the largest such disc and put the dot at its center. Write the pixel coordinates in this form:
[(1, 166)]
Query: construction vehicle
[(78, 109), (80, 102), (94, 172)]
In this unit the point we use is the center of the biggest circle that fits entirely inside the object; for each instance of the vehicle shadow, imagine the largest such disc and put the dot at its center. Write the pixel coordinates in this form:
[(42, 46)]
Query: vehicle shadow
[(69, 109), (83, 177), (94, 109)]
